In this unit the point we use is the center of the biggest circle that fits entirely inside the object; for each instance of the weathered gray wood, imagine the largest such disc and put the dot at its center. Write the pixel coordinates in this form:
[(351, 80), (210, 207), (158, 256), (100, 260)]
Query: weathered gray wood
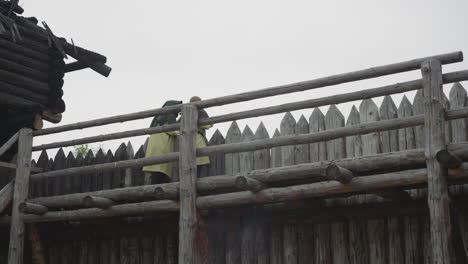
[(233, 236), (371, 145), (302, 154), (248, 222), (97, 202), (217, 162), (275, 159), (232, 160), (388, 110), (358, 241), (337, 173), (246, 159), (284, 89), (336, 149), (7, 145), (276, 230), (6, 196), (261, 161), (418, 109), (438, 199), (114, 211), (188, 194), (318, 151), (13, 166), (411, 228), (406, 135), (448, 159), (129, 172), (361, 165), (249, 184), (20, 193), (288, 127), (30, 208), (334, 119), (353, 143), (458, 99)]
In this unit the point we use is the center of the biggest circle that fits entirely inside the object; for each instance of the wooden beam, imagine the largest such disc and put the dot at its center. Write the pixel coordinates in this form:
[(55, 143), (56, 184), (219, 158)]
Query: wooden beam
[(188, 193), (249, 184), (133, 209), (449, 159), (364, 165), (97, 202), (393, 194), (13, 166), (21, 189), (375, 92), (6, 196), (9, 143), (434, 130), (337, 173), (30, 208), (284, 89), (330, 188)]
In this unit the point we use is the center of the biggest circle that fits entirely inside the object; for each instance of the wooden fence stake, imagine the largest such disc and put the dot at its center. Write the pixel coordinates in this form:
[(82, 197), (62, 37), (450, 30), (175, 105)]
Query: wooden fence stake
[(438, 199), (188, 176), (21, 189)]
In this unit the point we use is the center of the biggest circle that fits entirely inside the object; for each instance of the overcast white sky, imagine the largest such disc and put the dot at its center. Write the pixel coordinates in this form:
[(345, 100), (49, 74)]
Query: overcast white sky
[(162, 50)]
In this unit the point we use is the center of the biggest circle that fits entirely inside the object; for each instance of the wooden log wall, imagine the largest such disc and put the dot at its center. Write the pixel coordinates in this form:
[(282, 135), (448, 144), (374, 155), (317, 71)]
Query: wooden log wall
[(255, 237)]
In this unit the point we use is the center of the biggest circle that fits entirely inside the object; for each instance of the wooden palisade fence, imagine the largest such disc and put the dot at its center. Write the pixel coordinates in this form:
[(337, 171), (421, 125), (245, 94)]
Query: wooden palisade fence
[(319, 190)]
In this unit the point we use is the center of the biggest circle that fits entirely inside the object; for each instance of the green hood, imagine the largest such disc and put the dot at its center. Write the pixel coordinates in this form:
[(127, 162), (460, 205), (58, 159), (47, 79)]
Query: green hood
[(160, 120)]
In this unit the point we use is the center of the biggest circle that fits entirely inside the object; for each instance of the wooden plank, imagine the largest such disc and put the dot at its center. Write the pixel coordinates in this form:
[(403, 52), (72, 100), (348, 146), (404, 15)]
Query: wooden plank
[(20, 193), (390, 143), (233, 237), (247, 244), (127, 181), (438, 199), (318, 151), (371, 145), (217, 161), (276, 230), (336, 149), (261, 161), (188, 194), (288, 127), (357, 234), (13, 166), (411, 227)]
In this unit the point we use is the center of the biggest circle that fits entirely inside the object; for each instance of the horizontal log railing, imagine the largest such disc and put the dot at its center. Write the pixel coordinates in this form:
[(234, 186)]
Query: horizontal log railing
[(360, 129), (263, 93), (363, 165), (335, 99)]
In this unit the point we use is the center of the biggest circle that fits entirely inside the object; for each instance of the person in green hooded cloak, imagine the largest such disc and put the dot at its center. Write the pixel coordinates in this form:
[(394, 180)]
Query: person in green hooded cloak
[(160, 144)]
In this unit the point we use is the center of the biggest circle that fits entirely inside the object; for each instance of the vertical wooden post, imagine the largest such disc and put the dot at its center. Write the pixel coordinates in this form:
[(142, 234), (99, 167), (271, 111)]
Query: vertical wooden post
[(21, 189), (438, 199), (188, 176)]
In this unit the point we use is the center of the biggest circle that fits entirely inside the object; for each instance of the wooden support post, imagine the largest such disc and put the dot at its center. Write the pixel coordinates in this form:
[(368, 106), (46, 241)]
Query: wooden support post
[(97, 202), (337, 173), (30, 208), (188, 177), (249, 184), (20, 193), (449, 159), (438, 199)]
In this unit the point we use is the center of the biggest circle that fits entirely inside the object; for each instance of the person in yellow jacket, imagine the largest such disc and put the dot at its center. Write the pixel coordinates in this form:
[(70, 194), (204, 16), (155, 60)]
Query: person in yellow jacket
[(160, 144), (163, 143)]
